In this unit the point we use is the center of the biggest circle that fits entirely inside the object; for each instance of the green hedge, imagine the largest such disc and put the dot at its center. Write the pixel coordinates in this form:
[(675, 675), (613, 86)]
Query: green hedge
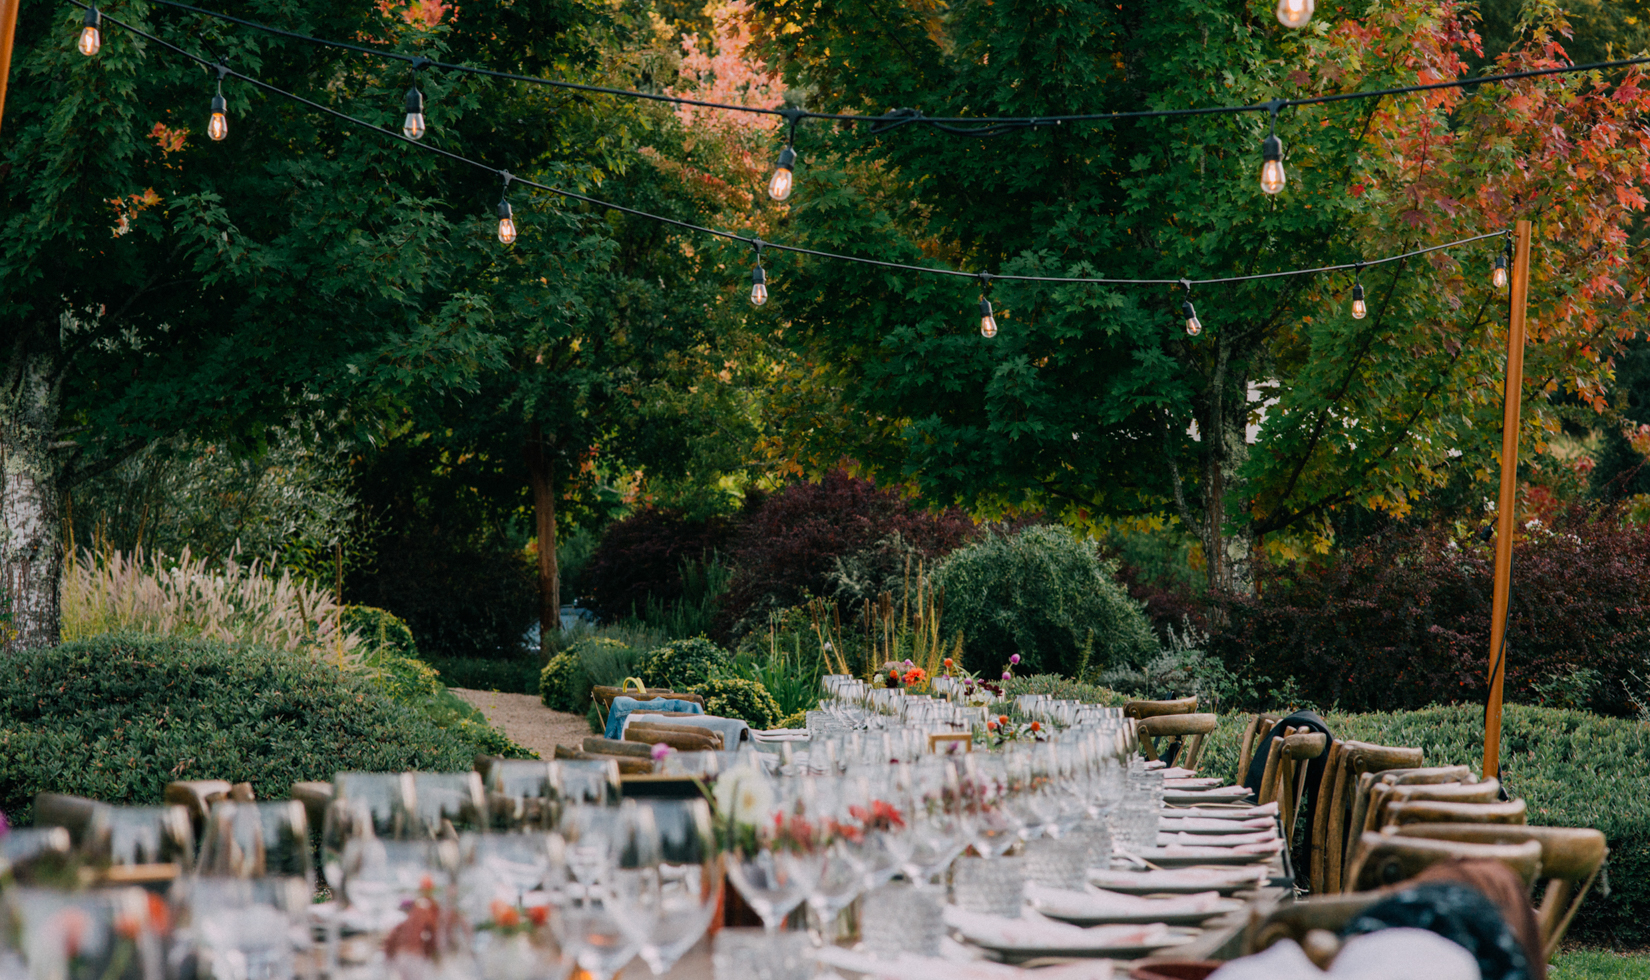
[(680, 664), (116, 717), (733, 697), (1573, 768)]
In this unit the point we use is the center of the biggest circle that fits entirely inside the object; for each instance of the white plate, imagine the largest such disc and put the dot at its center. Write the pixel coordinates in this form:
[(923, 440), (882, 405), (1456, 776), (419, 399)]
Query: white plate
[(1019, 954), (1146, 918), (1146, 883), (1191, 860)]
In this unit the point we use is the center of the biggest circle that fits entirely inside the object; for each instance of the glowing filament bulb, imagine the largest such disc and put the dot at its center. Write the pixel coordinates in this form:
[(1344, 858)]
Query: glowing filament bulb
[(1498, 274), (779, 187), (506, 224), (1360, 309), (413, 127), (759, 286), (1271, 169), (91, 39), (218, 128), (1294, 13), (1194, 326), (988, 323)]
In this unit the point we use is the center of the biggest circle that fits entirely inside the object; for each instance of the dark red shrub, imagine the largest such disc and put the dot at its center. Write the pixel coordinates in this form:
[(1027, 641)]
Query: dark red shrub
[(789, 544), (1169, 605), (641, 557), (1402, 620)]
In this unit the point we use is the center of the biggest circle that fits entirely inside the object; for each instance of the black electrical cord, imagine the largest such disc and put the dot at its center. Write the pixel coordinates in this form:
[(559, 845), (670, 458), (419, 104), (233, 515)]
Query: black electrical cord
[(957, 125), (223, 70)]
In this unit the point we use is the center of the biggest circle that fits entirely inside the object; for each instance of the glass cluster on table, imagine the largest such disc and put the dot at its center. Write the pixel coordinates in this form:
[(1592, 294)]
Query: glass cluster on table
[(859, 835)]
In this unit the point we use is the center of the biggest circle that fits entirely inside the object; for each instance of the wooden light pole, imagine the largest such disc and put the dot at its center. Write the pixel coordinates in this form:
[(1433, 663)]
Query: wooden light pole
[(1506, 518), (8, 27)]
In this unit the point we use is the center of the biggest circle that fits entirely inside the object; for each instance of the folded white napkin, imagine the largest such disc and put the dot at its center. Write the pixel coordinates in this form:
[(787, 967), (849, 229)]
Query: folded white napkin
[(911, 967), (1221, 812), (1033, 932), (1178, 879), (1175, 772), (1216, 840), (1191, 782), (1096, 903), (1195, 850), (1215, 791), (1213, 825)]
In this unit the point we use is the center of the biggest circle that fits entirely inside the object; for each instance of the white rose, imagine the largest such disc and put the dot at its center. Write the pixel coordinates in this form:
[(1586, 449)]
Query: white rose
[(744, 796)]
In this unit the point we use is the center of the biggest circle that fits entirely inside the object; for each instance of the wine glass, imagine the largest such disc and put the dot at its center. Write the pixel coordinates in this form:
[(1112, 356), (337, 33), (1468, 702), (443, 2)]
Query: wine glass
[(252, 840), (676, 902), (599, 929), (938, 826), (774, 858), (843, 873)]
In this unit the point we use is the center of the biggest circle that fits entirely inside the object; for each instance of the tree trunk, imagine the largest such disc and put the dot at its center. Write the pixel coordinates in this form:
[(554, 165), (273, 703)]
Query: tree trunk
[(541, 475), (31, 549)]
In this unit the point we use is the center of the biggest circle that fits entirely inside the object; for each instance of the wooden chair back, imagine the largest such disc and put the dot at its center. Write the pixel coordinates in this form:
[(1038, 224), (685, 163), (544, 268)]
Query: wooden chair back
[(1253, 734), (604, 695), (1284, 781), (1386, 859), (1152, 709), (1188, 729), (1294, 920), (1382, 794), (1347, 761), (1571, 858), (1435, 811)]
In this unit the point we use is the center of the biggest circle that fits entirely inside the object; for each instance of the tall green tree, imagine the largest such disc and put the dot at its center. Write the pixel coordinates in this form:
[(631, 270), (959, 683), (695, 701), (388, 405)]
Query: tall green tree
[(153, 281), (1093, 400)]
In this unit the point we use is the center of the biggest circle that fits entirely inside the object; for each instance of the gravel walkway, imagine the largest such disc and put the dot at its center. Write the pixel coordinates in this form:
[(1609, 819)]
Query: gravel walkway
[(527, 721)]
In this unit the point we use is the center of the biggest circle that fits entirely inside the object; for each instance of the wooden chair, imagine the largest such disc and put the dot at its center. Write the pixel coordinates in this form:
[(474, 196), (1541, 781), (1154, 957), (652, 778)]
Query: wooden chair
[(1152, 709), (1177, 727), (1253, 734), (1386, 859), (315, 797), (1383, 794), (1348, 760), (1285, 779), (1508, 812), (1570, 861)]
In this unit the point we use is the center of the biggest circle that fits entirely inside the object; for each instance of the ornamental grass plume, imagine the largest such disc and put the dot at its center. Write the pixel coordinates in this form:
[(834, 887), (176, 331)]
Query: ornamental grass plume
[(150, 593)]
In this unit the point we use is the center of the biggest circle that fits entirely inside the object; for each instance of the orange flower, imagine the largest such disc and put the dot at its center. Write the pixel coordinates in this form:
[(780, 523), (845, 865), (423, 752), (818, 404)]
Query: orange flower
[(538, 914), (1002, 719), (1036, 726), (991, 726)]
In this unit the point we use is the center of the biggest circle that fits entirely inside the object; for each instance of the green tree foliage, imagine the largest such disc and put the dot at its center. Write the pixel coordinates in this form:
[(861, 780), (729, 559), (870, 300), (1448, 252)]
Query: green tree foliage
[(1045, 595), (1093, 400)]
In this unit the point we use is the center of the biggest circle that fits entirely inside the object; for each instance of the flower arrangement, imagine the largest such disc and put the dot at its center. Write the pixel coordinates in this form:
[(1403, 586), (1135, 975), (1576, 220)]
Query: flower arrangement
[(896, 674), (748, 818), (1000, 731)]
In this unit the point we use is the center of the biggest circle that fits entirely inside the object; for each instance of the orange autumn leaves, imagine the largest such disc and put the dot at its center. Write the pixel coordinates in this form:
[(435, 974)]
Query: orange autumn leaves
[(126, 208)]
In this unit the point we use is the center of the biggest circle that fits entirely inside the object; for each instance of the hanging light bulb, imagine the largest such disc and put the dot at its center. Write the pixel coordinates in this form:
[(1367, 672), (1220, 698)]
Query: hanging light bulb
[(1360, 309), (759, 285), (1294, 13), (91, 39), (779, 186), (1272, 178), (1498, 273), (1194, 326), (218, 127), (413, 127), (988, 323), (506, 224)]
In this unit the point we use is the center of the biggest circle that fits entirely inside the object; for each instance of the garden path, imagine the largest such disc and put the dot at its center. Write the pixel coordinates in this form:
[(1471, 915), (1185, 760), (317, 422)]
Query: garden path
[(525, 719)]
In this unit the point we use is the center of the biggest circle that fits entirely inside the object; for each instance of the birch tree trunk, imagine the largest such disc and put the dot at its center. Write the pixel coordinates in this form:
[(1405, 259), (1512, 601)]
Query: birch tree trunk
[(31, 548), (542, 477)]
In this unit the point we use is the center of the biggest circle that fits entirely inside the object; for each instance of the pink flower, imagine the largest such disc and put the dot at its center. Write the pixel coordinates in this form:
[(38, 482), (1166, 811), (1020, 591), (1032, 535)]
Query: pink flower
[(660, 750), (1014, 659), (1007, 676)]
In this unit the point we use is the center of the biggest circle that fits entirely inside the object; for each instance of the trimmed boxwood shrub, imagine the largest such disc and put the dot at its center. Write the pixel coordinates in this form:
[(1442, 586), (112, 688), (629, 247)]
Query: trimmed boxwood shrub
[(1041, 593), (381, 629), (565, 682), (117, 717), (1573, 768), (733, 697), (680, 664)]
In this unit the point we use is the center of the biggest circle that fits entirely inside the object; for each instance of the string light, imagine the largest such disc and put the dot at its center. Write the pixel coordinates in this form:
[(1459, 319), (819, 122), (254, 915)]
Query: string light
[(1498, 271), (506, 223), (1272, 177), (218, 126), (988, 321), (1194, 326), (91, 38), (779, 186), (759, 279), (413, 126), (1294, 13)]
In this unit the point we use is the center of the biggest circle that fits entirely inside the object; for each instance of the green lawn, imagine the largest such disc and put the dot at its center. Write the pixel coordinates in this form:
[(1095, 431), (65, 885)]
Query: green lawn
[(1596, 965)]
